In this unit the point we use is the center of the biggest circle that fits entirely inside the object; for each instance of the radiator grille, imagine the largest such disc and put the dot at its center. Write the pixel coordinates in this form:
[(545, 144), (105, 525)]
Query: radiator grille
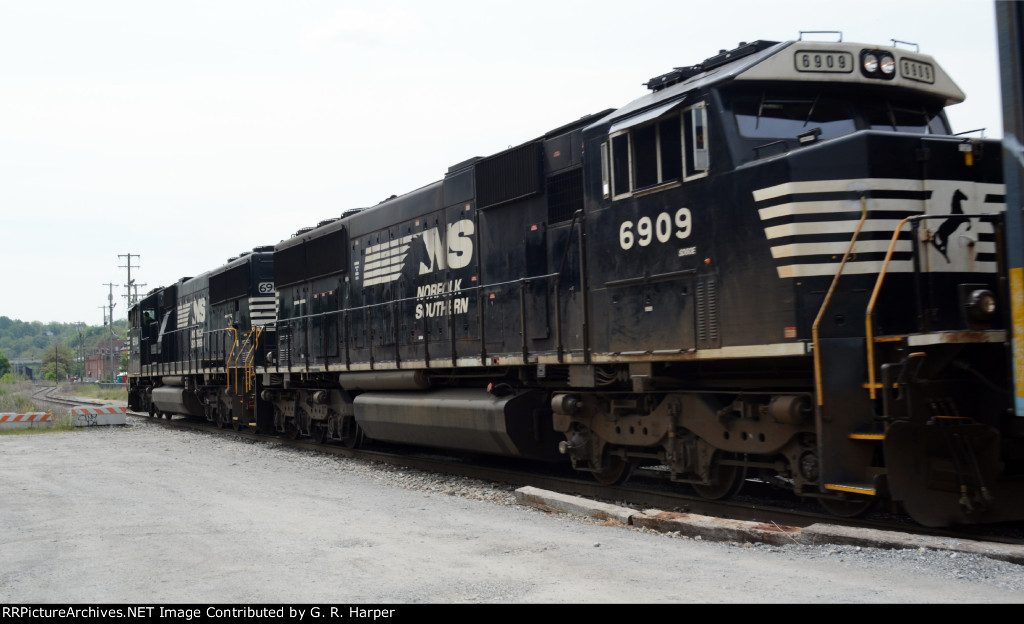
[(707, 313), (510, 175), (565, 195)]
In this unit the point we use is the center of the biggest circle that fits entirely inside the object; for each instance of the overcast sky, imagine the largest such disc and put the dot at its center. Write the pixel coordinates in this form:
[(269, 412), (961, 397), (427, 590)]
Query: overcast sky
[(187, 132)]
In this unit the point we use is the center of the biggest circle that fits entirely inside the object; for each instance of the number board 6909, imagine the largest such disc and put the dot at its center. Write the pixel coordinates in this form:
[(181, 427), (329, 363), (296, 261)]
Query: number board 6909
[(823, 61), (661, 228)]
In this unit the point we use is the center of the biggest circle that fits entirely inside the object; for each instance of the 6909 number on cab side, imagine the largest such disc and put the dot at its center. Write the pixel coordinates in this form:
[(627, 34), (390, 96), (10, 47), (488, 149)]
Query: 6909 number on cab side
[(663, 228)]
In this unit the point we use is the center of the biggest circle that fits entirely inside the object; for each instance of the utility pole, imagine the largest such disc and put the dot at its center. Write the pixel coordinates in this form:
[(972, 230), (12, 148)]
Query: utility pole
[(80, 369), (100, 376), (135, 298), (110, 343), (129, 299)]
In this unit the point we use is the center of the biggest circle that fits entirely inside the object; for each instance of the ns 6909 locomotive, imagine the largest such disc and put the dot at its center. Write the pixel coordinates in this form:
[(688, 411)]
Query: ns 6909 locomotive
[(779, 263)]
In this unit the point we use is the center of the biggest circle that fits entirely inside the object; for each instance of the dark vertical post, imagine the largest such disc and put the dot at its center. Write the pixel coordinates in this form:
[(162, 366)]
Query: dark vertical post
[(1010, 28)]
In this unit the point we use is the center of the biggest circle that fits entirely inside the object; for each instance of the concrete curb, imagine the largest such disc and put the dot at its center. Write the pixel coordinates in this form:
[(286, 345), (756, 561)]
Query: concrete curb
[(96, 416), (84, 417), (553, 501), (724, 530)]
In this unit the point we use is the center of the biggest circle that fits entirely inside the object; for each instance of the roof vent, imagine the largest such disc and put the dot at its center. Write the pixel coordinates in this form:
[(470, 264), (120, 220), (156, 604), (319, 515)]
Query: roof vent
[(679, 74)]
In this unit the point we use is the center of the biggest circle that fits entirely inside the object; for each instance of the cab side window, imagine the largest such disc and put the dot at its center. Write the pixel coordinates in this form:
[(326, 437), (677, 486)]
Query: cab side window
[(649, 156), (696, 124)]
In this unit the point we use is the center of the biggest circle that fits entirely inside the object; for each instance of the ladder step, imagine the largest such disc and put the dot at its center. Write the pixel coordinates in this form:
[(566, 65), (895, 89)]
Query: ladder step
[(855, 488), (867, 436)]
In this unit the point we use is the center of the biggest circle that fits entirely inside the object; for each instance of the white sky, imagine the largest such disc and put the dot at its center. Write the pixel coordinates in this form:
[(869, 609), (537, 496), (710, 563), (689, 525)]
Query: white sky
[(190, 131)]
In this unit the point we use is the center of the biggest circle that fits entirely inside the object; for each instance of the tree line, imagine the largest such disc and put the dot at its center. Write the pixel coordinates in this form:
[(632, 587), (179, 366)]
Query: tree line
[(61, 347)]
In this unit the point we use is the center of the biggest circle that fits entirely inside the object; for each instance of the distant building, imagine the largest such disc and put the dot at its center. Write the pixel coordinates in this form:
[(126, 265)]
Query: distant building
[(100, 366)]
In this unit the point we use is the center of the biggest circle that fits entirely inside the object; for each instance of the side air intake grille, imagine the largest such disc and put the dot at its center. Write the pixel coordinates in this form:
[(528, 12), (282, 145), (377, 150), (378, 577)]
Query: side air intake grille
[(510, 175), (707, 314), (565, 195)]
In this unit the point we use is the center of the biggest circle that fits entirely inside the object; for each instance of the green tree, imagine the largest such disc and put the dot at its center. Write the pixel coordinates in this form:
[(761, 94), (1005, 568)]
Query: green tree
[(5, 364), (57, 362)]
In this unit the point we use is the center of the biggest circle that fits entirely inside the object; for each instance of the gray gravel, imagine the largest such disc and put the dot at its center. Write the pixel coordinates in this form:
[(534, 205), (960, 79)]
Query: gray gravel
[(145, 514)]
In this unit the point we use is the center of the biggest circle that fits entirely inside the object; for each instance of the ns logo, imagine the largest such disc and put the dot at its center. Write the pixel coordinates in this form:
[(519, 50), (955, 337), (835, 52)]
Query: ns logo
[(448, 247), (192, 312), (454, 250)]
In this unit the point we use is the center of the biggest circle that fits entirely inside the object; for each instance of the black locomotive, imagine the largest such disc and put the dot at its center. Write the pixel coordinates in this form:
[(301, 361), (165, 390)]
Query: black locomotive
[(779, 263)]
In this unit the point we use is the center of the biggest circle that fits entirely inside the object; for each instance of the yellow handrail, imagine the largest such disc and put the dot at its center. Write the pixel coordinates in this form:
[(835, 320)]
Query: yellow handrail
[(828, 298), (251, 357), (237, 357), (227, 360), (869, 331)]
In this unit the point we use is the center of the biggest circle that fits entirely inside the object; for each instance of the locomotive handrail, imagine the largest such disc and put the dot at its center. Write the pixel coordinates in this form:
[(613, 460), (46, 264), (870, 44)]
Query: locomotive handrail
[(343, 315), (578, 214), (251, 357), (649, 279), (828, 299), (467, 289), (393, 303), (227, 360), (869, 313), (237, 357)]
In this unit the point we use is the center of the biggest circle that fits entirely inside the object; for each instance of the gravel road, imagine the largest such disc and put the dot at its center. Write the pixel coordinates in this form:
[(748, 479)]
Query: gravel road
[(144, 514)]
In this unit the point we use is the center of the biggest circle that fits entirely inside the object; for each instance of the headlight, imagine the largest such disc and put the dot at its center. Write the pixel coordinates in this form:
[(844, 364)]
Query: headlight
[(981, 305), (888, 64), (870, 63)]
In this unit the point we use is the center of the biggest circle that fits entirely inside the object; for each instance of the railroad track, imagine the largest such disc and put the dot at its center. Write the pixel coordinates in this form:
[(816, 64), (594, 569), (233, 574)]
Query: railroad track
[(60, 404), (759, 502)]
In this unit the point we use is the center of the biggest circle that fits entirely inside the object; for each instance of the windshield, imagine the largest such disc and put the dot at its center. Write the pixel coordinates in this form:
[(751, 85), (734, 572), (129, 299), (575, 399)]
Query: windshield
[(902, 117), (767, 115), (772, 117)]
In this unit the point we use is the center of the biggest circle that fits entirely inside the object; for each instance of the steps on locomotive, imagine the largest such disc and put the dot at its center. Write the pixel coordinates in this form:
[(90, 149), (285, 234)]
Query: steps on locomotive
[(866, 489)]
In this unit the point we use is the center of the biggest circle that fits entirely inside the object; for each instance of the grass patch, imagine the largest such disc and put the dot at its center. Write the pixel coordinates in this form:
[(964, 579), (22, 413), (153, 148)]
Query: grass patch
[(95, 392), (14, 398), (64, 422)]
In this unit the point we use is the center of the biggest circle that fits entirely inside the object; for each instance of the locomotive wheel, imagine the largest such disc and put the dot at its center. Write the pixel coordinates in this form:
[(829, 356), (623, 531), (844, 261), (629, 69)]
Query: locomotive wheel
[(617, 472), (291, 431), (354, 438), (319, 432), (726, 481), (236, 424), (850, 508), (218, 419)]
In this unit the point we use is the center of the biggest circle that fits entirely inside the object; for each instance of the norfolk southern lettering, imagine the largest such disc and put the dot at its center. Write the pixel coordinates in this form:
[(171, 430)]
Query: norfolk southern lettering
[(437, 304)]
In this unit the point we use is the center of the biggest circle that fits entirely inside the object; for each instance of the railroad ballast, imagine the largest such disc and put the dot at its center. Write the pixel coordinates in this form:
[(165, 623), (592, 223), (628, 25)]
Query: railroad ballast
[(779, 263)]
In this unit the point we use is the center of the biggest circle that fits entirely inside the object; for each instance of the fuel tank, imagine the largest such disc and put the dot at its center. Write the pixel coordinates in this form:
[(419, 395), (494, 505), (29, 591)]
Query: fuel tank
[(176, 400), (516, 425)]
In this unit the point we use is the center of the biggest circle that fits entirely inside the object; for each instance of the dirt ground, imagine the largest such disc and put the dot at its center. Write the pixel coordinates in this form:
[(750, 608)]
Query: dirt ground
[(143, 514)]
